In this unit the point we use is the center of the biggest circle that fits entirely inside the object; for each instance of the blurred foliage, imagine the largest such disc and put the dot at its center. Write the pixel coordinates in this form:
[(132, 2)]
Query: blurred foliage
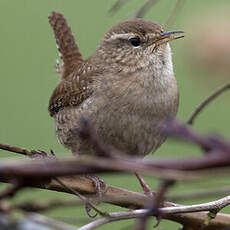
[(28, 54)]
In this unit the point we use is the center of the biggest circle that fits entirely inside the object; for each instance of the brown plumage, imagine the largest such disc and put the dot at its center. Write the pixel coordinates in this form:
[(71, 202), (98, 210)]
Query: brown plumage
[(67, 46), (126, 88)]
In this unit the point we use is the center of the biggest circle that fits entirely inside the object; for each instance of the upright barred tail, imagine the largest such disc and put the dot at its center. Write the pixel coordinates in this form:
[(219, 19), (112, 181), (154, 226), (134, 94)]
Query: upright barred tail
[(67, 46)]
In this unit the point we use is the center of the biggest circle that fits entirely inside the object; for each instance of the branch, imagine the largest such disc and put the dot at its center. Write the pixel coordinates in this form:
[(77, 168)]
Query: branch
[(66, 166), (115, 216), (125, 198), (39, 172), (170, 20), (154, 207), (12, 189), (22, 151), (139, 13), (213, 205), (175, 128), (219, 156), (203, 104), (19, 184), (118, 4), (82, 198), (146, 6)]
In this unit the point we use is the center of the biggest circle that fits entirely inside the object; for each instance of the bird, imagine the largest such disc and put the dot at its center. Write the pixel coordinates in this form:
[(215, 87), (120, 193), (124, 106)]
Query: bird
[(126, 88)]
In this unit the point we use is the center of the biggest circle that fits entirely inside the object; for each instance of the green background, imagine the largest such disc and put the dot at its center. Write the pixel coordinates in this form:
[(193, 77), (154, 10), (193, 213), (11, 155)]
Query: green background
[(27, 78)]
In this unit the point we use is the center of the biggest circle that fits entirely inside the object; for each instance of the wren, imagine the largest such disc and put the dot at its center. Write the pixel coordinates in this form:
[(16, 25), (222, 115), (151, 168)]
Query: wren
[(125, 89)]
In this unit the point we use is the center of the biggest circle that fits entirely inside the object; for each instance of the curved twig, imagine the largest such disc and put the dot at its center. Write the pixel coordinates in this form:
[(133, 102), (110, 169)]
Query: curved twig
[(82, 198), (146, 6), (117, 5), (116, 216), (174, 13), (130, 199), (203, 104), (12, 189)]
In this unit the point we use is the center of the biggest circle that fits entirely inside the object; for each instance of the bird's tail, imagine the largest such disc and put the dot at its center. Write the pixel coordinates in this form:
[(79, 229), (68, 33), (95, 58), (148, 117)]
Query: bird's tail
[(67, 47)]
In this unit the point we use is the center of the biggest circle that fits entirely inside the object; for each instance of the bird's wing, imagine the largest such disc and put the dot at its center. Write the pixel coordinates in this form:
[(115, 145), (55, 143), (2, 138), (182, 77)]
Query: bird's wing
[(71, 91), (74, 87)]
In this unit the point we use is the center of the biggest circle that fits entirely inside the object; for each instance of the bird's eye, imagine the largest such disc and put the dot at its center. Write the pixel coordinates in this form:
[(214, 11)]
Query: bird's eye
[(135, 41)]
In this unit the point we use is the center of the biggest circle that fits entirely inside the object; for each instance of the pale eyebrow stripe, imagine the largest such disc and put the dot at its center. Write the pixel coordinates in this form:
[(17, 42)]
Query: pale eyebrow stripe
[(115, 36), (121, 36)]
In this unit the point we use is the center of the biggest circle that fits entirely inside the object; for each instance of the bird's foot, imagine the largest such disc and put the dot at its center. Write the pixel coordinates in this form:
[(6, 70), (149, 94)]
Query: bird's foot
[(100, 187), (40, 154), (99, 184)]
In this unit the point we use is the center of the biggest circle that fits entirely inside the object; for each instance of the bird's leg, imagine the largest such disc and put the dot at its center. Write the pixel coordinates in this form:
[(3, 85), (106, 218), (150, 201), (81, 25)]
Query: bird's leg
[(100, 187), (144, 185), (99, 184)]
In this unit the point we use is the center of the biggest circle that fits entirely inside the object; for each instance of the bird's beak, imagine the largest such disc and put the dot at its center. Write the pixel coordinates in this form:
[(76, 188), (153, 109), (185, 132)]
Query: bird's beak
[(164, 34), (167, 36)]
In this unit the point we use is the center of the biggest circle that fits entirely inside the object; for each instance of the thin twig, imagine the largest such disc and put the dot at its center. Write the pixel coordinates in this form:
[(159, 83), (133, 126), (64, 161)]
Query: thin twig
[(170, 20), (22, 151), (209, 144), (144, 8), (157, 202), (203, 104), (117, 5), (213, 205), (67, 166), (130, 199), (12, 189), (115, 216), (40, 170), (85, 200)]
